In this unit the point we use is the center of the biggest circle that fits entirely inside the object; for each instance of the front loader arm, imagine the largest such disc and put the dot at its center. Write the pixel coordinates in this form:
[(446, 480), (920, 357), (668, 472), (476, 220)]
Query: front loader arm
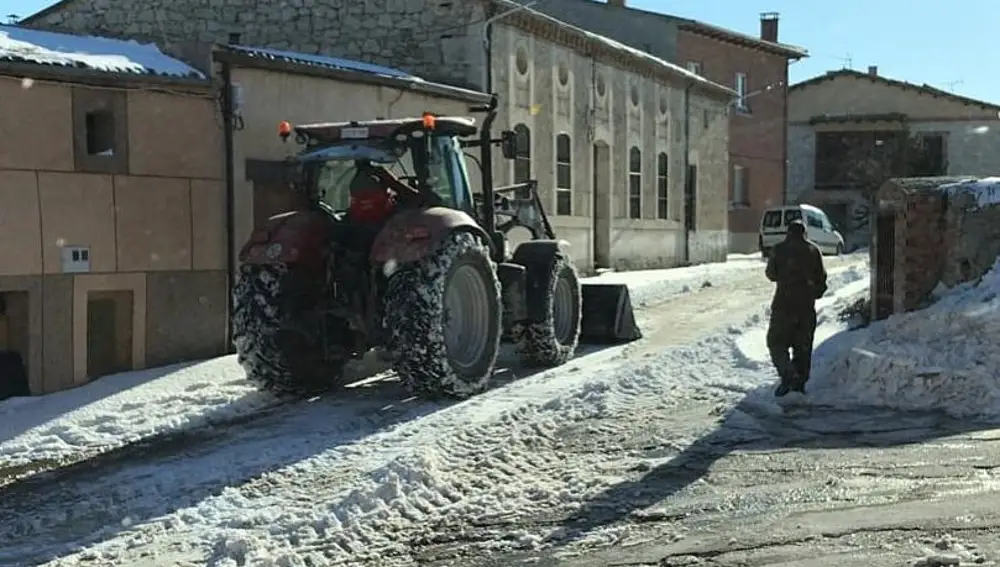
[(513, 211)]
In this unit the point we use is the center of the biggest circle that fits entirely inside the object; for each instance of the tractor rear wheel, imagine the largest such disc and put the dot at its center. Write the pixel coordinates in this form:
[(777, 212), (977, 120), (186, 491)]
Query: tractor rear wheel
[(278, 333), (443, 318), (551, 333)]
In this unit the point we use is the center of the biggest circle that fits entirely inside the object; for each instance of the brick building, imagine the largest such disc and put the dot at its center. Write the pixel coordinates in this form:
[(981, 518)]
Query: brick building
[(930, 231), (757, 68)]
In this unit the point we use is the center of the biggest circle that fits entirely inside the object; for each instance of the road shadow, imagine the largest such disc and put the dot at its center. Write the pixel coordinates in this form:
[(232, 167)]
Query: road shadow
[(57, 512), (758, 423)]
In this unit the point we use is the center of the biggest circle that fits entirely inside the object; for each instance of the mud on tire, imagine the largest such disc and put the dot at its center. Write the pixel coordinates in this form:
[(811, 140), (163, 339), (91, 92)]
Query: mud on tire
[(277, 337), (551, 333), (436, 357)]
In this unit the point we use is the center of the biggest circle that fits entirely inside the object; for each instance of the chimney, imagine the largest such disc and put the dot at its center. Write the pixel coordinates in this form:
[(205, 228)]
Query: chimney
[(873, 70), (617, 3), (769, 26)]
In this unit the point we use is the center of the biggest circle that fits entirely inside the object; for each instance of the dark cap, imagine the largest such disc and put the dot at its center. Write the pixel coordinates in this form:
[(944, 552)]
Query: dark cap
[(796, 228)]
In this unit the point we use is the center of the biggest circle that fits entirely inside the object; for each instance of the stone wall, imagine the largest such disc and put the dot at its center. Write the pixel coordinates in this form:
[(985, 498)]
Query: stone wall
[(974, 239), (438, 41)]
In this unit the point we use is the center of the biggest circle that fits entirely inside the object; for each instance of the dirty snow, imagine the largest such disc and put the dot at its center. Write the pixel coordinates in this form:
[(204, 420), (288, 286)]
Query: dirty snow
[(22, 45), (324, 484), (943, 358), (986, 190), (124, 408)]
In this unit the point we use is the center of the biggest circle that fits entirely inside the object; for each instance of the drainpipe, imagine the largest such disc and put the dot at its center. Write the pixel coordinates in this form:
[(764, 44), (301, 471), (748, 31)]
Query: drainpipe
[(227, 136), (488, 41), (784, 138), (687, 169)]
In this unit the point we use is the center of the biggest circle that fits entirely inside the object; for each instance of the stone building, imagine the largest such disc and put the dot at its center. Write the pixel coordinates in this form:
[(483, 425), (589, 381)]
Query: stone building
[(843, 117), (630, 151), (754, 66), (112, 245), (931, 231)]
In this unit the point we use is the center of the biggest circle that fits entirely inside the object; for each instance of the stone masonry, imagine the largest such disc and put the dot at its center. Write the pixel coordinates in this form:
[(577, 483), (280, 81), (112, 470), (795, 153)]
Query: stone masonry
[(434, 39)]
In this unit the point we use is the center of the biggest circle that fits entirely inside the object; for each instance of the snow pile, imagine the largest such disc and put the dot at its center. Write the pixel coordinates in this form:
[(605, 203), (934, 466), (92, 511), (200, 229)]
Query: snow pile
[(23, 45), (941, 358), (124, 408), (986, 190)]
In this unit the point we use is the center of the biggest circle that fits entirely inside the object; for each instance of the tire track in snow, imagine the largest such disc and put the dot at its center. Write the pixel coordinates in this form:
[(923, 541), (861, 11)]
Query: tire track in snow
[(381, 494)]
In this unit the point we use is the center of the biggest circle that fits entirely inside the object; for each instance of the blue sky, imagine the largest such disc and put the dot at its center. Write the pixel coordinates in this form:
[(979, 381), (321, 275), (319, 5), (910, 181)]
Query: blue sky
[(944, 44)]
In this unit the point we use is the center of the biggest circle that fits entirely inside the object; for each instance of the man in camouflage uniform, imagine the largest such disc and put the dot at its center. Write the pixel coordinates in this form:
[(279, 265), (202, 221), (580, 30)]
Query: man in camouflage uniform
[(796, 265)]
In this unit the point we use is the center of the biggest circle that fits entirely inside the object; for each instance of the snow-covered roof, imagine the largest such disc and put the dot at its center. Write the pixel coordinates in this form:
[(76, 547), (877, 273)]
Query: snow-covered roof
[(621, 48), (985, 190), (322, 61), (98, 54), (360, 71)]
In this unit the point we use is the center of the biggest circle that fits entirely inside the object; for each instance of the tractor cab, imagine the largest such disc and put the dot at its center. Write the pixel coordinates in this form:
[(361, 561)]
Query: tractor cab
[(364, 171)]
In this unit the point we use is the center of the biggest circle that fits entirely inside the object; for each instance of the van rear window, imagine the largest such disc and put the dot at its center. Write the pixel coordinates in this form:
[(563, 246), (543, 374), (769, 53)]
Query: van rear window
[(772, 219), (792, 215)]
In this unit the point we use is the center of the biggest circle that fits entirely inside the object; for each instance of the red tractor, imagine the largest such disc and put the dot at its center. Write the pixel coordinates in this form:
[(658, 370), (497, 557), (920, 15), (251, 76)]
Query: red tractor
[(390, 249)]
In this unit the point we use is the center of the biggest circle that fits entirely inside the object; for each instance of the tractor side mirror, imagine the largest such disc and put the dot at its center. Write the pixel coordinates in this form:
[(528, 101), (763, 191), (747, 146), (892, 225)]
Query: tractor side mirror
[(508, 144)]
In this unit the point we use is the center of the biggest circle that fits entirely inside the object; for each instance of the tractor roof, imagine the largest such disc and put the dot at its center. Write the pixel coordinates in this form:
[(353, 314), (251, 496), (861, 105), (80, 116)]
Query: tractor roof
[(331, 132)]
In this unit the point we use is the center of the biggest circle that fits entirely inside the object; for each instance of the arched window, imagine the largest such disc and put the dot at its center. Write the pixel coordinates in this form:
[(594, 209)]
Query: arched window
[(522, 155), (662, 187), (634, 183), (564, 175)]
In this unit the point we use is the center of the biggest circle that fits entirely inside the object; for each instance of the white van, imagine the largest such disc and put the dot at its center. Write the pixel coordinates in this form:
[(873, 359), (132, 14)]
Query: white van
[(774, 225)]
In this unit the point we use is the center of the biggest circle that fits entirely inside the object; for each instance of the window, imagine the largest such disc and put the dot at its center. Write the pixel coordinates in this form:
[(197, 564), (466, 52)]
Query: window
[(792, 215), (662, 187), (772, 219), (564, 175), (740, 181), (634, 183), (741, 92), (694, 67), (813, 220), (100, 132), (522, 156)]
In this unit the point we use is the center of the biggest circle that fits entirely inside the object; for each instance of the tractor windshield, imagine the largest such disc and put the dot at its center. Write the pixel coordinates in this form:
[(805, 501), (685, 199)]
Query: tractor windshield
[(328, 171)]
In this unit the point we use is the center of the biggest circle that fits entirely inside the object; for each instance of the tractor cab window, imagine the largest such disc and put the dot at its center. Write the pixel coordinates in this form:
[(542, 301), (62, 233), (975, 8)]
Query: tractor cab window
[(333, 179), (447, 175)]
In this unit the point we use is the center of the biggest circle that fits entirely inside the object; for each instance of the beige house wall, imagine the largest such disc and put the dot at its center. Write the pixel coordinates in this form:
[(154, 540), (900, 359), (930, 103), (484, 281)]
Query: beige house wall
[(157, 207)]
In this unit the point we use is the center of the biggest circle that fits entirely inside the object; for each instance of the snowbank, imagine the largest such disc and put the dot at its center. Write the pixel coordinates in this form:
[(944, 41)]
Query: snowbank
[(124, 408), (942, 358), (985, 190)]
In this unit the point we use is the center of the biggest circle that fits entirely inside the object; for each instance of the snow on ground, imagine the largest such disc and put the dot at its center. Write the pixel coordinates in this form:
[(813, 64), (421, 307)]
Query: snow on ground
[(125, 408), (305, 488), (942, 358)]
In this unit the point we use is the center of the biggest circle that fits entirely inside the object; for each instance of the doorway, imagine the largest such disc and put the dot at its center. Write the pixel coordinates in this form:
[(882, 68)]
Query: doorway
[(109, 332), (885, 264), (601, 209)]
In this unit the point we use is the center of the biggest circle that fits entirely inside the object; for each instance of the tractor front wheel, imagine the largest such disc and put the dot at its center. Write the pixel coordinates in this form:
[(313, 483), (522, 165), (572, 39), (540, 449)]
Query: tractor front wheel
[(551, 333), (278, 333), (443, 318)]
